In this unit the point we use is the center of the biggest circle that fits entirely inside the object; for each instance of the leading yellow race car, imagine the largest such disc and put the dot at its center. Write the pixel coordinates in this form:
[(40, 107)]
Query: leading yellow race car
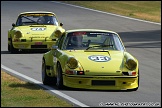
[(90, 59), (36, 30)]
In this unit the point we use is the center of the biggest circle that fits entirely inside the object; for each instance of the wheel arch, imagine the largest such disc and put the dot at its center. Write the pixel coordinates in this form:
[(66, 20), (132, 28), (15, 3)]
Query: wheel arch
[(48, 58)]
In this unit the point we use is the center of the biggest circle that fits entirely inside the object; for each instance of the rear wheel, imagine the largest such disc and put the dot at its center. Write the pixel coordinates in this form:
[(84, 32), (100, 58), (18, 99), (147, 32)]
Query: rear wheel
[(45, 78), (59, 83)]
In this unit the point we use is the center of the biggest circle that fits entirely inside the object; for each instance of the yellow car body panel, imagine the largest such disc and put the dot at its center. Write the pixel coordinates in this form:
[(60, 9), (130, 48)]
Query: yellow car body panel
[(82, 56), (103, 69)]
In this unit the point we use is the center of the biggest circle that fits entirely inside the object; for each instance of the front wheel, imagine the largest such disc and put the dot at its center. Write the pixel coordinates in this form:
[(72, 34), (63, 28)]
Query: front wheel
[(59, 83), (45, 78)]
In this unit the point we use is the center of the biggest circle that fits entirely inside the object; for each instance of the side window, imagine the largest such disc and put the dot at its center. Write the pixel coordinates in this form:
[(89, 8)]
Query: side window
[(60, 41), (54, 21), (19, 21), (118, 43)]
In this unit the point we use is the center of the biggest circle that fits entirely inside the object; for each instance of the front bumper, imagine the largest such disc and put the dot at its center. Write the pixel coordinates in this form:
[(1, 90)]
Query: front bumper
[(101, 82), (33, 45)]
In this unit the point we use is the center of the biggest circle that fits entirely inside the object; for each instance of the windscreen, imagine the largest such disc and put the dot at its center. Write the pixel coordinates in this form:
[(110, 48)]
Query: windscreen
[(36, 19), (93, 41)]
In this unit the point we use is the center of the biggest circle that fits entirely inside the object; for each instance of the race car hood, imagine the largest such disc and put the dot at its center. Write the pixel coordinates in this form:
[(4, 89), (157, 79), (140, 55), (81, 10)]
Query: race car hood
[(99, 62), (37, 31)]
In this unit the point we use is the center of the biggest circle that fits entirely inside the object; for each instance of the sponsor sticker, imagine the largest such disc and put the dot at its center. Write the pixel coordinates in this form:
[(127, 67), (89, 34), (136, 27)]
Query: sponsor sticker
[(99, 58), (38, 29)]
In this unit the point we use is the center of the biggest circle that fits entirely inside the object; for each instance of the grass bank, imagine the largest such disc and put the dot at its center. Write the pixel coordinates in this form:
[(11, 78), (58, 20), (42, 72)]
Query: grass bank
[(145, 10), (17, 93)]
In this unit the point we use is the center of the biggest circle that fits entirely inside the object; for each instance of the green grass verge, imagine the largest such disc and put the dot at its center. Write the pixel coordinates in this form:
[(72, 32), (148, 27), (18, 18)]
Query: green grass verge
[(145, 10), (17, 93)]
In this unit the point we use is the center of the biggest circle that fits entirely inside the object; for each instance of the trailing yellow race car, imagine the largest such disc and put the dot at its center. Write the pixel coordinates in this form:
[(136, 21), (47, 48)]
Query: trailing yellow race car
[(37, 30), (90, 59)]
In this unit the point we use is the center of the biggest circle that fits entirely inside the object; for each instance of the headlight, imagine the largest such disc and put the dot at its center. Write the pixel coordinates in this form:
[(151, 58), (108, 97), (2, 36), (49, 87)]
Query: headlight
[(131, 64), (72, 63), (59, 31), (18, 34)]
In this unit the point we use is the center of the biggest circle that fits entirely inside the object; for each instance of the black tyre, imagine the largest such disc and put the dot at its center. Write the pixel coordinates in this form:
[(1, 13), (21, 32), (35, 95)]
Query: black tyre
[(45, 78), (9, 48), (59, 82), (12, 49)]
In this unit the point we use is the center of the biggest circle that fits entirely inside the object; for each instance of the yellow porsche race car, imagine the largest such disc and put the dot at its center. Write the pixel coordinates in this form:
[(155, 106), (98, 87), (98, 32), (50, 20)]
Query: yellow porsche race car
[(90, 59), (37, 30)]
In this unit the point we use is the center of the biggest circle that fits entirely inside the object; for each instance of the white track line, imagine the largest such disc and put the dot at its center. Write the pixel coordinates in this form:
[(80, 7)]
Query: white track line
[(44, 86), (107, 13)]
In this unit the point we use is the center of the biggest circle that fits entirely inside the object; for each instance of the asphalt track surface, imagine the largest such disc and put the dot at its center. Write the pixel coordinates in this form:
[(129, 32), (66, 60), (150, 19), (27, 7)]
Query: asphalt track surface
[(141, 39)]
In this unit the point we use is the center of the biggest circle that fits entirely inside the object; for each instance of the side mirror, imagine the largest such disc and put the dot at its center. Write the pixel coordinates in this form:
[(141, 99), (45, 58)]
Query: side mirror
[(13, 25), (61, 24)]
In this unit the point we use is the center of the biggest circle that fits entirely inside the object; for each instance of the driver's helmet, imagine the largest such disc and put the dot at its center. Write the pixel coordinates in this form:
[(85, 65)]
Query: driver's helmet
[(76, 40), (47, 19), (41, 20)]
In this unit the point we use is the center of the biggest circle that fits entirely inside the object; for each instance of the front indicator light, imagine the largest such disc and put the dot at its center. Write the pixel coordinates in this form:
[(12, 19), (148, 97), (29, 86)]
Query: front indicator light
[(80, 73), (132, 73), (74, 72), (70, 72)]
